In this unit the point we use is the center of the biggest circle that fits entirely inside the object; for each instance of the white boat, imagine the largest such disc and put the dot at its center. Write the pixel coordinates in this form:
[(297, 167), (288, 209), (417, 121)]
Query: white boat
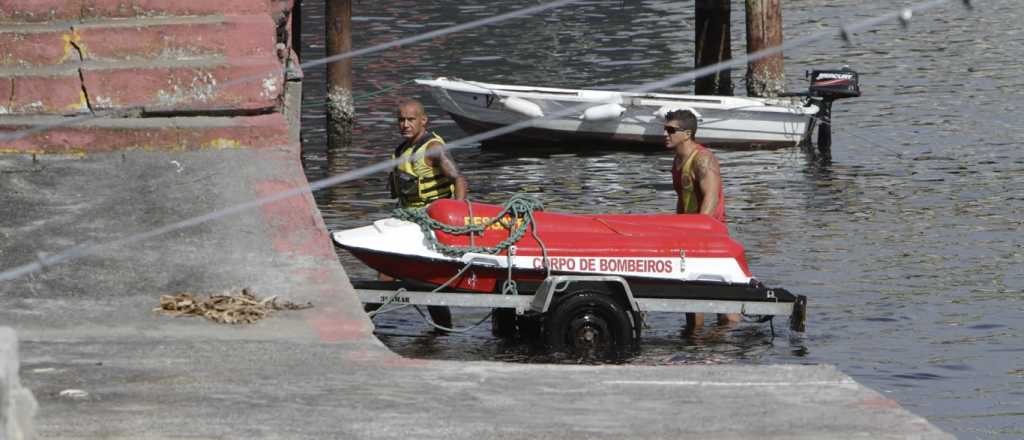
[(621, 119)]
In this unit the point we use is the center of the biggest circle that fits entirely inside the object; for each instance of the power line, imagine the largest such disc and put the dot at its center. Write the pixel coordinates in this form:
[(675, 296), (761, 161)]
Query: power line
[(89, 248)]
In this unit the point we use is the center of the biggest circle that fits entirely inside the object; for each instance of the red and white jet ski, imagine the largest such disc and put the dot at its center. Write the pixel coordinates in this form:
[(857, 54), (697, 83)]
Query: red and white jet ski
[(565, 268), (651, 251)]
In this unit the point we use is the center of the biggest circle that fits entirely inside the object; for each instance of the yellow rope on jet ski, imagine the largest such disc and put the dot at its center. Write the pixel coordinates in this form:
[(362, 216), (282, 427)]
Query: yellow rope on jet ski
[(519, 206)]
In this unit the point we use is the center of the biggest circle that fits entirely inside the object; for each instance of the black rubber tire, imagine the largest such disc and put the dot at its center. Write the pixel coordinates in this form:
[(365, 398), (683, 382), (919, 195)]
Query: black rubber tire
[(589, 322), (503, 323), (530, 328)]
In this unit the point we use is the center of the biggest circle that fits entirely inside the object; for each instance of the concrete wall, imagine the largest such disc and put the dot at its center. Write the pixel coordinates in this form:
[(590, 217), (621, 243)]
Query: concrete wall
[(17, 405)]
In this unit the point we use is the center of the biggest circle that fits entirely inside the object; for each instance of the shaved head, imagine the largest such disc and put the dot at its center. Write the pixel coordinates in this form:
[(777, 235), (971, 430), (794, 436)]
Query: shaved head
[(412, 119), (412, 105)]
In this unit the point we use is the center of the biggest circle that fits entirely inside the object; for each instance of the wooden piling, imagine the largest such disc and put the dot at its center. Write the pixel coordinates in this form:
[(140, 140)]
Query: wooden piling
[(765, 77), (712, 40), (296, 17), (340, 106)]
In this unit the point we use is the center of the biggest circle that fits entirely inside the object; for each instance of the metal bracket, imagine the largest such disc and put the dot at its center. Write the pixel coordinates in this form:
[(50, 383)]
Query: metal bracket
[(560, 283)]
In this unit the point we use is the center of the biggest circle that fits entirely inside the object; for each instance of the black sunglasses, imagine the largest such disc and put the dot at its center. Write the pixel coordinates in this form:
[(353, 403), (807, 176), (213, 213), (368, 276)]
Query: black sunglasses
[(671, 130)]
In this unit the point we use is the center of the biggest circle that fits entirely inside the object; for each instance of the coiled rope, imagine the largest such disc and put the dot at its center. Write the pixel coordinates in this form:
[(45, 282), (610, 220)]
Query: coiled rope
[(519, 206)]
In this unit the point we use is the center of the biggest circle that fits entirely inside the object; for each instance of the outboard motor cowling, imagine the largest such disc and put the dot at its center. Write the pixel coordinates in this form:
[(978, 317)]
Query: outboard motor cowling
[(834, 84), (827, 86)]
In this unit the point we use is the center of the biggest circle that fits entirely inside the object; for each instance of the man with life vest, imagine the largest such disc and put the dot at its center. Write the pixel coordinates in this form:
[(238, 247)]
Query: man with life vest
[(426, 173), (698, 184)]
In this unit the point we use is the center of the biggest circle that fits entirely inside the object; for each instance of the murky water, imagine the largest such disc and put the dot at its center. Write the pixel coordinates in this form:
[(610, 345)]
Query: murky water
[(907, 245)]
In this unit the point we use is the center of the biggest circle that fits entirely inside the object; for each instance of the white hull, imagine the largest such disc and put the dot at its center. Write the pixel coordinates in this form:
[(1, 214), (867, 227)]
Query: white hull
[(725, 121)]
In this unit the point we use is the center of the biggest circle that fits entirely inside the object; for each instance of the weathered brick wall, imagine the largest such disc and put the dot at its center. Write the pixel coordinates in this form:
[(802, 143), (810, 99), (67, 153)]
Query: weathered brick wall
[(143, 59)]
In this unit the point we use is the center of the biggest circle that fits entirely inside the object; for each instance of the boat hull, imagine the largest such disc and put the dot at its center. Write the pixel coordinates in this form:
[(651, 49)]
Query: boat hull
[(725, 121)]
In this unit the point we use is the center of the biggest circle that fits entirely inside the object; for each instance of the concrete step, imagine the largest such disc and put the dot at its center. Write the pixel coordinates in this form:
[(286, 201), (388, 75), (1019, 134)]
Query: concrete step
[(161, 134), (198, 85), (133, 40), (37, 11)]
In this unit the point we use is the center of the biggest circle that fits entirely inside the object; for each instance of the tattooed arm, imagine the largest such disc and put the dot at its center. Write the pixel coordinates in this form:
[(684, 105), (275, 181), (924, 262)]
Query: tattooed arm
[(449, 169), (710, 180)]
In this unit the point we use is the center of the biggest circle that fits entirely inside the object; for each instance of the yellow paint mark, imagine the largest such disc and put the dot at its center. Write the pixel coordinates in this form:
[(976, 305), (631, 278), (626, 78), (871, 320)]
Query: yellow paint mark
[(82, 104), (72, 45), (223, 144), (76, 152)]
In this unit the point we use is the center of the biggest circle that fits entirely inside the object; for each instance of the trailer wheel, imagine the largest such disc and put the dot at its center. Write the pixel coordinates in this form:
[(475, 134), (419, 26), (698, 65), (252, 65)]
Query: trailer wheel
[(529, 328), (503, 323), (589, 322)]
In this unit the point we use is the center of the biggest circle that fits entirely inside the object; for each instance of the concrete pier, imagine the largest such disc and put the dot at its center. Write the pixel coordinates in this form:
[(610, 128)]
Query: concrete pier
[(123, 190)]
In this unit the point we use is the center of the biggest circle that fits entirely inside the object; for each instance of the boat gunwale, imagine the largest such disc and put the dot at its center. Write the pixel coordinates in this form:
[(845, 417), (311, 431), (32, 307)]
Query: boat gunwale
[(718, 103)]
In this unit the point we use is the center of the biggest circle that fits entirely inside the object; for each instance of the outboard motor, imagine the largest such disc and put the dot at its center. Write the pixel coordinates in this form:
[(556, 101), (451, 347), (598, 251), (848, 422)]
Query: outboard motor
[(827, 86)]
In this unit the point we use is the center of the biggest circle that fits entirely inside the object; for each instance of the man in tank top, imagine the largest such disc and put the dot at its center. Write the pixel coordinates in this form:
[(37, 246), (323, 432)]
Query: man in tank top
[(698, 184)]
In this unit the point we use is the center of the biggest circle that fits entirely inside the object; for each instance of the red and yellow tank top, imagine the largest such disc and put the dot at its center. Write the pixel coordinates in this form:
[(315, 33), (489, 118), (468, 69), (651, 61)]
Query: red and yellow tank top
[(684, 181)]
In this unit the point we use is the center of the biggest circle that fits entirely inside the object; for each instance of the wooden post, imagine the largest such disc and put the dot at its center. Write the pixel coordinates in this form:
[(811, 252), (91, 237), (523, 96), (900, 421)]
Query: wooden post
[(713, 46), (296, 16), (340, 107), (765, 77)]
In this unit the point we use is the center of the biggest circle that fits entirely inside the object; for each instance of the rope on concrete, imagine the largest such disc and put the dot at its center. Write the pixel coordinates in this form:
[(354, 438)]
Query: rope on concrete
[(226, 308)]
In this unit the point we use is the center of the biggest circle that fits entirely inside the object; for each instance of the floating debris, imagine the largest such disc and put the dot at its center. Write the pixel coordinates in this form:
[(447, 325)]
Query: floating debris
[(72, 393), (225, 308)]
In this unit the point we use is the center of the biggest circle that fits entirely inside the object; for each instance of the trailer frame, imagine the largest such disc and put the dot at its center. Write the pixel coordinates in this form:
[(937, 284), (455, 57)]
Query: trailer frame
[(539, 303)]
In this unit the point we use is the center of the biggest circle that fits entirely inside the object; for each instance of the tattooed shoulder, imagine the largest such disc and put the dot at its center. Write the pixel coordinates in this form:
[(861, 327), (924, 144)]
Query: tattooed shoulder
[(706, 163)]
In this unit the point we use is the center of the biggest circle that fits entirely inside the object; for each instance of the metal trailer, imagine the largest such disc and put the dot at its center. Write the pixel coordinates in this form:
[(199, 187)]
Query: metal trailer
[(594, 311)]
